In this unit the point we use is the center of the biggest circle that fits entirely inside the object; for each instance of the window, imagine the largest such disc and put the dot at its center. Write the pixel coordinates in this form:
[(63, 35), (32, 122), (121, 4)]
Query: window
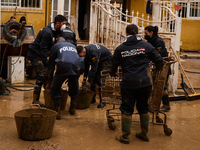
[(189, 10), (194, 9), (9, 2), (183, 11), (54, 9), (21, 3)]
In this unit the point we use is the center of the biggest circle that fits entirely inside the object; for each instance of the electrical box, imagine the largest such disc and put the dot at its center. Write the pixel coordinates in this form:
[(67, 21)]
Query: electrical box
[(15, 69)]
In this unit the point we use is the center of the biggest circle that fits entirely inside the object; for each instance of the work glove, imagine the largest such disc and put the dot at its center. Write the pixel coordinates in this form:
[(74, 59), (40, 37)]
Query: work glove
[(84, 88), (83, 82)]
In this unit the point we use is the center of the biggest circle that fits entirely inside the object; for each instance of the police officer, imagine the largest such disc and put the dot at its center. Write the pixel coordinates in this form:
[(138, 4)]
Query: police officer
[(151, 35), (69, 35), (37, 52), (69, 66), (98, 57), (134, 56)]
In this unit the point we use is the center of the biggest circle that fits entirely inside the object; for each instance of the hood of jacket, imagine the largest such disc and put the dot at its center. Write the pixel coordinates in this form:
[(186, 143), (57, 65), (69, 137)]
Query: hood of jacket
[(132, 39)]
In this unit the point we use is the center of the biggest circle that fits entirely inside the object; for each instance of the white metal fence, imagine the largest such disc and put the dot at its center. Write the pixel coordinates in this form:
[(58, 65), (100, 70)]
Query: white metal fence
[(107, 27)]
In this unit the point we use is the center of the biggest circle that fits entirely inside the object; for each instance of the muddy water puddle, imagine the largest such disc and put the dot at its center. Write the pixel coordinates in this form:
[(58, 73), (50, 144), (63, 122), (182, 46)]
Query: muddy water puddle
[(88, 130)]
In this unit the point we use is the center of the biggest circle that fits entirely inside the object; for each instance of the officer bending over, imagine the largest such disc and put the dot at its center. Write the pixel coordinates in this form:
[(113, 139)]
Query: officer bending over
[(134, 56), (37, 53), (98, 57), (69, 66)]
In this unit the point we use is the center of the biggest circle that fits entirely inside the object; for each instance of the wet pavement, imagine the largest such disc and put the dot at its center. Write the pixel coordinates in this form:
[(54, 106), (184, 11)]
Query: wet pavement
[(88, 130)]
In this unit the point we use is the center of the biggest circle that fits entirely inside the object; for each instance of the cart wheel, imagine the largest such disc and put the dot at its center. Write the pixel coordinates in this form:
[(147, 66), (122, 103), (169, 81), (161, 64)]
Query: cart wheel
[(159, 120), (168, 131), (111, 125)]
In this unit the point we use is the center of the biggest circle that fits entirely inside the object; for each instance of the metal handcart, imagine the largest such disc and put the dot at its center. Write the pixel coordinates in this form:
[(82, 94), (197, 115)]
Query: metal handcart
[(110, 92)]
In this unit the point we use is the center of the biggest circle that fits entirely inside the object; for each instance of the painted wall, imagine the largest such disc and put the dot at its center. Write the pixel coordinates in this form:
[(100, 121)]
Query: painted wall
[(138, 6), (73, 7), (38, 19), (190, 34)]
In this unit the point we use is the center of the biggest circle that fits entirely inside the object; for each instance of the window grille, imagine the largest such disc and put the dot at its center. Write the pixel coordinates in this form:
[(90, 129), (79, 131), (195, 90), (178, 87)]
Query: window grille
[(189, 10), (21, 3), (194, 9)]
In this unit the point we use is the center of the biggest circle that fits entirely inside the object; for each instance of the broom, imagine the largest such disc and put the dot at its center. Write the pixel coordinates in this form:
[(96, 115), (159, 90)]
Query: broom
[(191, 94)]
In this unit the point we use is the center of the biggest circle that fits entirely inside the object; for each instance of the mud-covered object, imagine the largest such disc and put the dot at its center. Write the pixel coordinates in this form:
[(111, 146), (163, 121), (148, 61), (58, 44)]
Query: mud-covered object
[(35, 123), (84, 99), (11, 30), (40, 70)]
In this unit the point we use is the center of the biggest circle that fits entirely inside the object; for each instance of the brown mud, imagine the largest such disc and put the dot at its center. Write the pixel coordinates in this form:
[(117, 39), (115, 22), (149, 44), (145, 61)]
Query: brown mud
[(88, 130)]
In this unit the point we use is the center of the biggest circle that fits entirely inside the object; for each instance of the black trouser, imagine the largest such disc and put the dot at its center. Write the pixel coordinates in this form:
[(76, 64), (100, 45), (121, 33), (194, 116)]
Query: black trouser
[(131, 96), (57, 84), (105, 65)]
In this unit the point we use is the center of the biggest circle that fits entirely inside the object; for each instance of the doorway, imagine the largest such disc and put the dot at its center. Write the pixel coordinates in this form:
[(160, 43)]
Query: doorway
[(84, 19)]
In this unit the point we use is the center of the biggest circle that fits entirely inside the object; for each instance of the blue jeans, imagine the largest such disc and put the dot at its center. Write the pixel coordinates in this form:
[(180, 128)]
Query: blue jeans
[(57, 84), (131, 96)]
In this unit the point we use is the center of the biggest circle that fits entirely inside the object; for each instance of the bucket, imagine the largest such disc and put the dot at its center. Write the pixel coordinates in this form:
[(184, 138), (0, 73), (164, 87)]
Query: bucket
[(35, 123), (84, 99), (49, 102)]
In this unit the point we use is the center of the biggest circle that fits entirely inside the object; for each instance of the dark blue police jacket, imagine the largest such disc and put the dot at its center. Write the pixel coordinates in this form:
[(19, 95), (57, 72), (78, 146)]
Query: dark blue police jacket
[(95, 55), (43, 43), (65, 56), (134, 56)]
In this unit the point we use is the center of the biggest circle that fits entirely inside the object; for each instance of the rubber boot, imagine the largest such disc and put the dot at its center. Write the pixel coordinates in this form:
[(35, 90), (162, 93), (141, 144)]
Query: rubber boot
[(101, 105), (144, 124), (57, 108), (58, 117), (93, 88), (166, 106), (36, 95), (73, 105), (126, 129)]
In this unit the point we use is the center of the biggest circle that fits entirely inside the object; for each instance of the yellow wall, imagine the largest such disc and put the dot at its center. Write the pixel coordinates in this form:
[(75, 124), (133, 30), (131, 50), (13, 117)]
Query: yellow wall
[(138, 6), (190, 34), (36, 18), (73, 7)]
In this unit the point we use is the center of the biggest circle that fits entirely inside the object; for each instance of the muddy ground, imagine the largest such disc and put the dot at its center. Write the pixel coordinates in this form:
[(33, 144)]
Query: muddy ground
[(88, 130)]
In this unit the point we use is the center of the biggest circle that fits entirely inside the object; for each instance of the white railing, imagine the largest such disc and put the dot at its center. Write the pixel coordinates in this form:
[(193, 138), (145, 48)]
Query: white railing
[(108, 29), (108, 24)]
